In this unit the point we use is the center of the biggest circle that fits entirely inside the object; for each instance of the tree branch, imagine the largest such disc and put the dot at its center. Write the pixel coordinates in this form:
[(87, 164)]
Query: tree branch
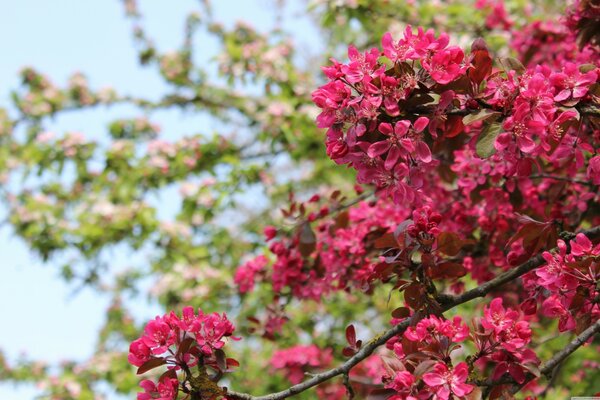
[(506, 277), (559, 357), (562, 178), (447, 303)]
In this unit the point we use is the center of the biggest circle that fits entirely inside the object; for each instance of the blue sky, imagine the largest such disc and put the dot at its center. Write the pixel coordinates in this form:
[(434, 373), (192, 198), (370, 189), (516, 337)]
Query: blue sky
[(41, 316)]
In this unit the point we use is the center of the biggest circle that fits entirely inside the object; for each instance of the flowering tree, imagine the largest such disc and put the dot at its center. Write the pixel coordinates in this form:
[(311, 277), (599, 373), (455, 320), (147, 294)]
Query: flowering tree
[(456, 257)]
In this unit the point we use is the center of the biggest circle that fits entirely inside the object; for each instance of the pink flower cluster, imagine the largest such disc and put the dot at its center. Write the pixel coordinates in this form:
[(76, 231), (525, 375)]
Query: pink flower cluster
[(536, 124), (383, 118), (567, 285), (181, 343), (167, 389), (245, 275), (552, 43), (425, 228), (363, 103), (297, 360), (344, 244), (434, 377), (503, 341)]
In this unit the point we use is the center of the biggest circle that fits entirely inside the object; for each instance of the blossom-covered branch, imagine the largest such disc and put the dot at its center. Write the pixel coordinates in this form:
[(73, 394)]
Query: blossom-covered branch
[(448, 303)]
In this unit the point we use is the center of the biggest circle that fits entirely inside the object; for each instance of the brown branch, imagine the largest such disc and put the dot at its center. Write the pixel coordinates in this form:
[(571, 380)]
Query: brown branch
[(447, 303), (548, 368), (345, 368), (570, 348), (506, 277), (562, 178)]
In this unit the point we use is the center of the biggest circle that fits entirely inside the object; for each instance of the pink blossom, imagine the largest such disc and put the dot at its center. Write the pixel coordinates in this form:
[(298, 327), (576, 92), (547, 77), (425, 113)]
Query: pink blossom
[(165, 390), (446, 65), (158, 335), (245, 275), (448, 381), (139, 353), (412, 47), (402, 140), (299, 359), (593, 170), (553, 307), (572, 84), (582, 246), (403, 383)]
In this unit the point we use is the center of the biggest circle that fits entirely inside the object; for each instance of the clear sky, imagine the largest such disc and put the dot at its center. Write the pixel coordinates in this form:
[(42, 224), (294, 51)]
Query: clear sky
[(41, 316)]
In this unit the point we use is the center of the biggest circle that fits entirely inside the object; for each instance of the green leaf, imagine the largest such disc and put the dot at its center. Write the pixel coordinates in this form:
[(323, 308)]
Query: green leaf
[(481, 115), (512, 64), (586, 68), (485, 143)]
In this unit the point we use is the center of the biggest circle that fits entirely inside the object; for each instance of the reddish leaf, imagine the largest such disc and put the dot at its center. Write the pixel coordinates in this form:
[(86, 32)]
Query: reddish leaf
[(448, 270), (454, 126), (424, 367), (342, 219), (308, 240), (232, 363), (582, 323), (348, 351), (481, 63), (535, 235), (386, 241), (351, 335), (409, 347), (500, 392), (151, 364), (221, 359), (169, 374), (401, 312), (413, 296), (185, 345), (449, 243)]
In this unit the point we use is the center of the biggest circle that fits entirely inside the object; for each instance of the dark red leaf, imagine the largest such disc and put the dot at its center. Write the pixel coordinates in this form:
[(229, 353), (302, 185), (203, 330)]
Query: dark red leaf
[(481, 65), (151, 364), (413, 296), (308, 240), (401, 312), (386, 241), (221, 359), (424, 367), (454, 126), (342, 219), (351, 335), (169, 374), (185, 345), (348, 351), (448, 270)]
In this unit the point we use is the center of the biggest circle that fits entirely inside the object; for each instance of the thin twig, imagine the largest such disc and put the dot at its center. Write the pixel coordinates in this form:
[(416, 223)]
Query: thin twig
[(562, 178)]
